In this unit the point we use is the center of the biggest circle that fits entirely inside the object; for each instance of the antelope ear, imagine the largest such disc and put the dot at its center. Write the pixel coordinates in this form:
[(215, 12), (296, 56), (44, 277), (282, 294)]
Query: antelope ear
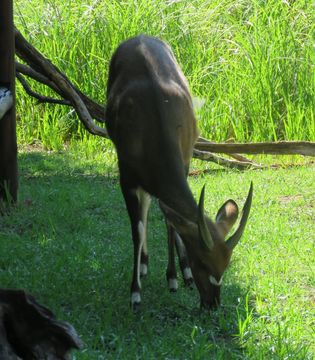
[(182, 225), (226, 216)]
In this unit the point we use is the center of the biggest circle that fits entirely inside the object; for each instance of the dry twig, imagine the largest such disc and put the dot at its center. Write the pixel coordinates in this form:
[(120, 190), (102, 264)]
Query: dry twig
[(40, 98)]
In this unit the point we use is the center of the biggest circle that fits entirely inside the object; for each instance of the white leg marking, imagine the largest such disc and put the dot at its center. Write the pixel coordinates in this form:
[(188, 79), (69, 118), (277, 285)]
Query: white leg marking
[(172, 284), (135, 298), (141, 232), (143, 269), (187, 273), (145, 203), (180, 246), (145, 200), (145, 243)]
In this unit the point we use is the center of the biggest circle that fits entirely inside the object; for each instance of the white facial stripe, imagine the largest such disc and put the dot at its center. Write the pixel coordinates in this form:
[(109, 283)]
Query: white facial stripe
[(214, 281)]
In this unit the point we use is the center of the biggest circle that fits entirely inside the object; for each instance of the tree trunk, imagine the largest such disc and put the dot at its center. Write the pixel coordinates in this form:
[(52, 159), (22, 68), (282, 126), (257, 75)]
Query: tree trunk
[(8, 146)]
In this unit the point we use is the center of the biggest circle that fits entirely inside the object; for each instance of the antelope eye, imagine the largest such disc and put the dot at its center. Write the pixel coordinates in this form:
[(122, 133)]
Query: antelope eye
[(214, 281)]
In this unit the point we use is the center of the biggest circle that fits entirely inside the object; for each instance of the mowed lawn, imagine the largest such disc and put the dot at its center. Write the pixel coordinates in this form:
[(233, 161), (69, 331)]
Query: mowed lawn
[(68, 242)]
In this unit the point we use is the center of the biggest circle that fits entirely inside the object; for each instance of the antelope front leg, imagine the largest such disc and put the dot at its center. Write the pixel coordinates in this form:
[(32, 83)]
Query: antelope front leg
[(175, 240), (183, 260)]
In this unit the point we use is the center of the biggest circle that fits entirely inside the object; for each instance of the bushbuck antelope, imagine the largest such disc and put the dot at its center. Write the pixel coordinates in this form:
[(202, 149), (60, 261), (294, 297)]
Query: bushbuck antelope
[(151, 121)]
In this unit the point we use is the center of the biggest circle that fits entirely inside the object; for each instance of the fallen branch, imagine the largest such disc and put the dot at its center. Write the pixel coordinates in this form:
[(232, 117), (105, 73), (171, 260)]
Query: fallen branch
[(50, 75), (274, 148), (35, 75), (233, 164), (237, 157)]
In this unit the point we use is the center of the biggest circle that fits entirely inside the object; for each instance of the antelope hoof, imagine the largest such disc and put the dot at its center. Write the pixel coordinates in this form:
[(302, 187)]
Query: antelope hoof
[(189, 283), (135, 301), (188, 279), (172, 284)]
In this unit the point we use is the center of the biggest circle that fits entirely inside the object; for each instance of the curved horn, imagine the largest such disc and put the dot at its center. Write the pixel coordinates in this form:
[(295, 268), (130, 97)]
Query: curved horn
[(205, 234), (233, 240)]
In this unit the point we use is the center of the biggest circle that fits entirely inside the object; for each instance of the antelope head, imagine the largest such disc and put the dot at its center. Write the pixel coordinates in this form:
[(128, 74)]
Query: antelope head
[(208, 251)]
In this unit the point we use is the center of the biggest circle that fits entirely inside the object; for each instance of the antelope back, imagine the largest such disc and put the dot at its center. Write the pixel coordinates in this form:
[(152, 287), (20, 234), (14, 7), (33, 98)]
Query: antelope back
[(150, 119)]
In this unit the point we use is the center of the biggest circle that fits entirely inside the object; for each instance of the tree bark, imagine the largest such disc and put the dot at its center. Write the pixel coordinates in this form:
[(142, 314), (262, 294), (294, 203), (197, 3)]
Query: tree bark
[(8, 146)]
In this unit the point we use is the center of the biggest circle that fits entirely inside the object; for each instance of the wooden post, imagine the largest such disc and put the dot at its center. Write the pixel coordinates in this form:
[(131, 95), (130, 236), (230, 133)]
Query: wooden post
[(8, 146)]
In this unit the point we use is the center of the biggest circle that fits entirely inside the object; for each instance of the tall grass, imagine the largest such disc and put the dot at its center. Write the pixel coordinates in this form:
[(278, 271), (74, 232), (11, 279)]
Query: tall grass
[(252, 61)]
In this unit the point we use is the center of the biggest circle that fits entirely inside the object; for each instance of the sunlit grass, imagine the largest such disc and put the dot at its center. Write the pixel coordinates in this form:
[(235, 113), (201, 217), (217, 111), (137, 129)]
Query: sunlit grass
[(68, 242), (252, 61)]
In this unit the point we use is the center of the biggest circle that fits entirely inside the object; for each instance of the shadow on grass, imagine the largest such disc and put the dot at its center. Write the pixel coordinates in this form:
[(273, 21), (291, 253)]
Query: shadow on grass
[(69, 243)]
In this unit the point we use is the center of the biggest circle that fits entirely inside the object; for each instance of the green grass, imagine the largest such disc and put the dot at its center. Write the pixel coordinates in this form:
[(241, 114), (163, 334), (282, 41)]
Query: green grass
[(68, 242), (252, 61)]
